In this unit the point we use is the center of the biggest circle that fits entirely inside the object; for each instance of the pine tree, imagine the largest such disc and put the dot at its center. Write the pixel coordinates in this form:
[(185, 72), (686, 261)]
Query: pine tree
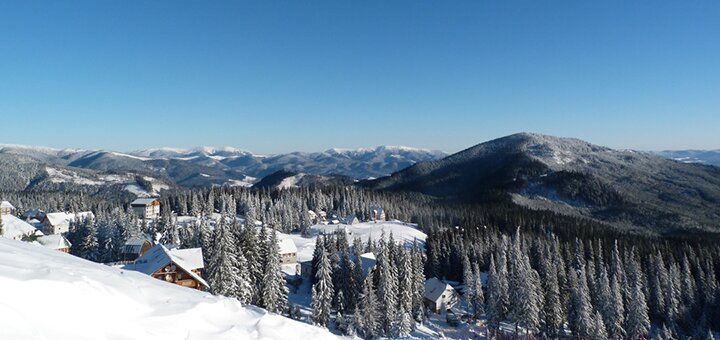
[(387, 289), (274, 292), (418, 283), (552, 313), (224, 276), (469, 283), (580, 311), (524, 305), (322, 291), (637, 322), (495, 308), (366, 316), (478, 295)]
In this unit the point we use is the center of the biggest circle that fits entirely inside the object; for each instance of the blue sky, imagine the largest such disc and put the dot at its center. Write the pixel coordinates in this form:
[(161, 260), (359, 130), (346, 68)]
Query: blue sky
[(277, 76)]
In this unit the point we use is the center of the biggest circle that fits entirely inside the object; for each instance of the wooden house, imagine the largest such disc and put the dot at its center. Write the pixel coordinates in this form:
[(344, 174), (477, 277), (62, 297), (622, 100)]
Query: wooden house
[(351, 220), (439, 295), (288, 251), (55, 242), (179, 266), (58, 223), (146, 208), (6, 208), (134, 248), (377, 214)]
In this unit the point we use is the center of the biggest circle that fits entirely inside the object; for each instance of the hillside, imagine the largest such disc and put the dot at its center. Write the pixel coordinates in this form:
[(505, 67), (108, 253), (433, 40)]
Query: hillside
[(207, 166), (51, 295), (625, 188)]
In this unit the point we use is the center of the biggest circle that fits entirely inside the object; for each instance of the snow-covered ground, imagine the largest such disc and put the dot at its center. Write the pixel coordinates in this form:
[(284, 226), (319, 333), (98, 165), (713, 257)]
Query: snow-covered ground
[(45, 294), (15, 228), (402, 232)]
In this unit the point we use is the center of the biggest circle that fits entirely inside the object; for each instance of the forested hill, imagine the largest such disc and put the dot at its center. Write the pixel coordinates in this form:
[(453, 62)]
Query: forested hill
[(625, 188)]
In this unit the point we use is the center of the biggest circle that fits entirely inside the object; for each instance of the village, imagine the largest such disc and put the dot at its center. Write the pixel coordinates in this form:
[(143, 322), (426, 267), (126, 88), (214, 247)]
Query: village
[(184, 267)]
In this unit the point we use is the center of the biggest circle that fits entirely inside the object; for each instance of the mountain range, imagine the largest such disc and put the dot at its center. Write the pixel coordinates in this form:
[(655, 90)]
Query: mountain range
[(625, 188), (42, 168)]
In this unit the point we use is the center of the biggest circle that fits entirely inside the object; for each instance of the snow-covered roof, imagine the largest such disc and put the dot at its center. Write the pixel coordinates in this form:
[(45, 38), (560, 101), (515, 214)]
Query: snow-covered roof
[(143, 201), (135, 241), (377, 210), (287, 246), (6, 205), (368, 262), (159, 256), (349, 219), (435, 288), (15, 228), (54, 241), (65, 217)]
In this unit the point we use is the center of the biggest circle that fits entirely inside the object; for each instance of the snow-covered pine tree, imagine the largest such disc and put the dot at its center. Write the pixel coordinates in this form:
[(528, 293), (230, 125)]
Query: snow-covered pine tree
[(580, 311), (418, 283), (524, 305), (322, 291), (248, 240), (637, 322), (478, 294), (274, 292), (495, 307), (366, 316), (387, 290), (469, 284), (552, 313), (224, 276)]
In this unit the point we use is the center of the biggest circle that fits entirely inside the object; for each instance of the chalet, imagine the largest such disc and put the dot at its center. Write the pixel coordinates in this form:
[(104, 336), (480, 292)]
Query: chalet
[(288, 251), (146, 208), (134, 248), (58, 223), (6, 208), (351, 219), (179, 266), (17, 229), (377, 214), (439, 295), (55, 242)]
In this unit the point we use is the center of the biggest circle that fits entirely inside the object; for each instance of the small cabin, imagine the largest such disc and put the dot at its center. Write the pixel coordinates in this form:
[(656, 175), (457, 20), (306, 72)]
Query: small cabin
[(55, 242), (288, 251), (439, 295), (58, 223), (146, 208), (377, 214), (351, 220), (179, 266), (6, 208), (134, 248)]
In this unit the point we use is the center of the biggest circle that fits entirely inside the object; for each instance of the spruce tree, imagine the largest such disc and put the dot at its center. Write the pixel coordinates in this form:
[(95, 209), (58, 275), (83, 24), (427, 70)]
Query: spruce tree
[(387, 289), (274, 292), (637, 322), (322, 291), (366, 317)]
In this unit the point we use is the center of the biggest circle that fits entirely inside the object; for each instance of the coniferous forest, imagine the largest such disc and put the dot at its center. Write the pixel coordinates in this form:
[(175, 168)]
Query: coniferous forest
[(547, 275)]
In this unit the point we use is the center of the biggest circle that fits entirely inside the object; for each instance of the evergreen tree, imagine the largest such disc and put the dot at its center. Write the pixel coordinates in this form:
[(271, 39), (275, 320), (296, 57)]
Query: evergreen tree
[(322, 291), (274, 292), (637, 322), (366, 316), (387, 289), (524, 305), (580, 311)]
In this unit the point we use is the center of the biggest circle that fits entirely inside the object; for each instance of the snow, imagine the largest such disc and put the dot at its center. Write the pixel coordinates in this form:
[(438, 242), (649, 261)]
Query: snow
[(291, 182), (47, 294), (6, 205), (404, 233), (65, 176), (130, 156), (287, 246), (143, 201), (54, 242), (15, 228)]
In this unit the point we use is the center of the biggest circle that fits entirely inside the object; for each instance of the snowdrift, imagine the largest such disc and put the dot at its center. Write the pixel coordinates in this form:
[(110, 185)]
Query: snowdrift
[(45, 294)]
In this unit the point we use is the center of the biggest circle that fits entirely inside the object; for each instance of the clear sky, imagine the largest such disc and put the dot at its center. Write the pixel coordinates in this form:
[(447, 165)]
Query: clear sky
[(277, 76)]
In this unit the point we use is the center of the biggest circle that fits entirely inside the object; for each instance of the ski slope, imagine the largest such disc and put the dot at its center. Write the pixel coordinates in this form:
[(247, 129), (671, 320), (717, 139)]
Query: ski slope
[(45, 294)]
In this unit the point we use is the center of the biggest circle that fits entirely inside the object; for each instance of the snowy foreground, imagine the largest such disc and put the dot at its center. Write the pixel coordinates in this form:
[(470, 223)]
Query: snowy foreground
[(45, 294)]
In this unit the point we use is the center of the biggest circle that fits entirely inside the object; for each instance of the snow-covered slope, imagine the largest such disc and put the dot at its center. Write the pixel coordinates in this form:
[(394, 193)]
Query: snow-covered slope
[(45, 294)]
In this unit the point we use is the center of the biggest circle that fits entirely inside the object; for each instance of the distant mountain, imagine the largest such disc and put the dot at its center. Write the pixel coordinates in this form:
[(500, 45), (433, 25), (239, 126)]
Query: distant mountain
[(570, 176), (206, 166), (711, 157)]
